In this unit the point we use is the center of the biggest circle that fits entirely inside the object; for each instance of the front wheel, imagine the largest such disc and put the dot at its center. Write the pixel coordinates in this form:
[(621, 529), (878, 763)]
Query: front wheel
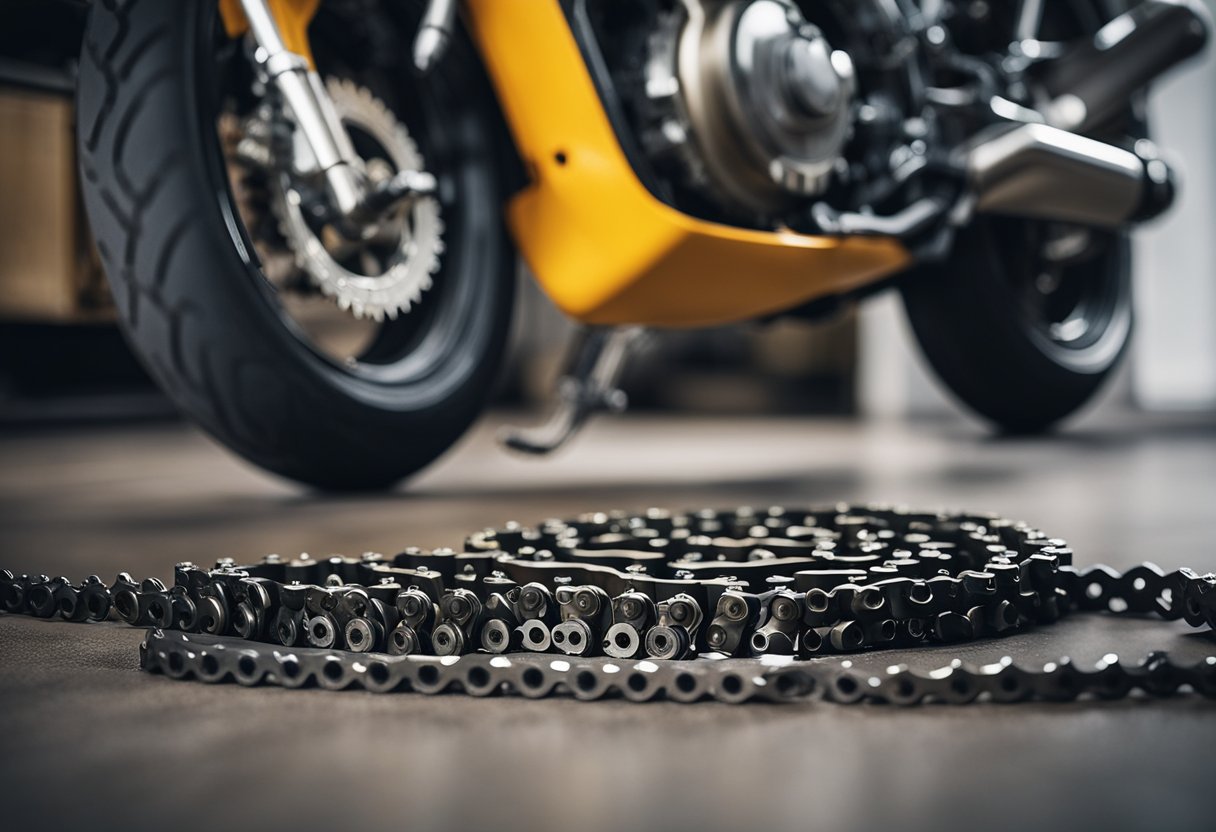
[(339, 363)]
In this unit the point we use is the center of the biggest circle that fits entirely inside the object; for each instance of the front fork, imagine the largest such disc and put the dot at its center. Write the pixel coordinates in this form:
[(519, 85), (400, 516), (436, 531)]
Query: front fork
[(279, 29)]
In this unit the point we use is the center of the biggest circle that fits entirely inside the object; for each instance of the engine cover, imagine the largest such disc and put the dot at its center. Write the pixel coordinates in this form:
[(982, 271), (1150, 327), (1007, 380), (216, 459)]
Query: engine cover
[(766, 102)]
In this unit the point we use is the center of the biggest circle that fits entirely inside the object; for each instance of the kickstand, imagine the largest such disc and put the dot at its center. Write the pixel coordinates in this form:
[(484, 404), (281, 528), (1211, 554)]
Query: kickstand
[(588, 387)]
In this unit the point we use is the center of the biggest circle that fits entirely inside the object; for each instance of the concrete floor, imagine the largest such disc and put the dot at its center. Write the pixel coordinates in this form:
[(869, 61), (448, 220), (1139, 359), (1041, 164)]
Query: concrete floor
[(87, 738)]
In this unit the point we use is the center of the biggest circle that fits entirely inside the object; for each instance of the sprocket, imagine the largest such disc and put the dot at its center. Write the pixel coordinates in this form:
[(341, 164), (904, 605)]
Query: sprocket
[(386, 272)]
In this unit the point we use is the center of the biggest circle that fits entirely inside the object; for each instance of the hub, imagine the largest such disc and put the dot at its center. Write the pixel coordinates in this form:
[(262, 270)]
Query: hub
[(767, 101)]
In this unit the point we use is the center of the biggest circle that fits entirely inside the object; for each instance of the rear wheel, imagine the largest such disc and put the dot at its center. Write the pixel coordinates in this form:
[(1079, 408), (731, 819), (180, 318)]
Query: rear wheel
[(238, 298), (1020, 333), (1027, 319)]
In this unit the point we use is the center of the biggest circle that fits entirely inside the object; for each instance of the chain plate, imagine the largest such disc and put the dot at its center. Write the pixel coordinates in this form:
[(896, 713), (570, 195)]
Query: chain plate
[(732, 605)]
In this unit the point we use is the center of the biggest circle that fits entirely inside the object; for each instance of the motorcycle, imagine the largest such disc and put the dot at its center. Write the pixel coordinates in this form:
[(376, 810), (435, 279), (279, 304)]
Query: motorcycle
[(310, 212)]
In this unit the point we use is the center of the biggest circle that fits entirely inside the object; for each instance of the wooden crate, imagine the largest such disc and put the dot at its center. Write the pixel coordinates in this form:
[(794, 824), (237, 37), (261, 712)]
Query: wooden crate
[(48, 268)]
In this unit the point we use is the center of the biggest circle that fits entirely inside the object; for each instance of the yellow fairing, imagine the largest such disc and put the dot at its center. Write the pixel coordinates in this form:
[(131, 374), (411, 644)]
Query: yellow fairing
[(606, 250)]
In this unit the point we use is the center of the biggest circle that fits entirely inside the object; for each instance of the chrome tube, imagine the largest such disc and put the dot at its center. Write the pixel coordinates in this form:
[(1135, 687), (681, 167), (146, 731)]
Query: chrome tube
[(1043, 172), (1094, 82), (434, 34), (332, 154)]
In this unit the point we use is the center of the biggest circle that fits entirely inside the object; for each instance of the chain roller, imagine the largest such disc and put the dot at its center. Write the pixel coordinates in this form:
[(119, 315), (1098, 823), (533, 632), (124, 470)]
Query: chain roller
[(627, 601)]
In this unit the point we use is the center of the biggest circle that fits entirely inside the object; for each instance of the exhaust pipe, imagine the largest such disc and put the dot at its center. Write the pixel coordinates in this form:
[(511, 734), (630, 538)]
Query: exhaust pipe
[(1049, 171), (1043, 172), (1093, 83)]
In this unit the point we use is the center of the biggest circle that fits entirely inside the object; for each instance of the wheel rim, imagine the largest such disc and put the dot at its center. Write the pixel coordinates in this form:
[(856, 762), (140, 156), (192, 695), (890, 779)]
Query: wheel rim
[(419, 349), (1068, 285), (1077, 308)]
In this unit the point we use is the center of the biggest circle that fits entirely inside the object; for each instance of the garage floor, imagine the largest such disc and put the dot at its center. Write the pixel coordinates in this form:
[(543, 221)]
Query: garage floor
[(85, 737)]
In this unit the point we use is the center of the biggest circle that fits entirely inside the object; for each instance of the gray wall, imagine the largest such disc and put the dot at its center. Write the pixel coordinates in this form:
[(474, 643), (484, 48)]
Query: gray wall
[(1174, 354), (1172, 364)]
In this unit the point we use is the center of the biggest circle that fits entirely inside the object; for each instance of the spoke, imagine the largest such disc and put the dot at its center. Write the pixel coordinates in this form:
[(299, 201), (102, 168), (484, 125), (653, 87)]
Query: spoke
[(931, 10), (370, 264), (389, 234), (340, 248), (1068, 246), (1030, 17)]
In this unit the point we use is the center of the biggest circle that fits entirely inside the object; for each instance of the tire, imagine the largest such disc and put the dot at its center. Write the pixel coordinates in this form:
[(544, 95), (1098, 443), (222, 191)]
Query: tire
[(1002, 350), (991, 354), (189, 291)]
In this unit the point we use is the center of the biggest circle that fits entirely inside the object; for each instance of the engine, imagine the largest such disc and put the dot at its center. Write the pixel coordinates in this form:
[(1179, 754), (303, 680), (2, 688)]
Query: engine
[(752, 111), (881, 116), (749, 99)]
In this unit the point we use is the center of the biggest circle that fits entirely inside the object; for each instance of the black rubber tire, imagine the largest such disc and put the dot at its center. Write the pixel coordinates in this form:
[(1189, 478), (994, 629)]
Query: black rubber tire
[(196, 310), (965, 316)]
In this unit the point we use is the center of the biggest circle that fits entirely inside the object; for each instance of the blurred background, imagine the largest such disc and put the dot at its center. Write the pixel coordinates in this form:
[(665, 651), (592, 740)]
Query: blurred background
[(63, 360)]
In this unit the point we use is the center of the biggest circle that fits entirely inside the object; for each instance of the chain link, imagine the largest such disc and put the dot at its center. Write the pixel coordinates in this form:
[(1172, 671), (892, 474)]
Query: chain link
[(627, 601)]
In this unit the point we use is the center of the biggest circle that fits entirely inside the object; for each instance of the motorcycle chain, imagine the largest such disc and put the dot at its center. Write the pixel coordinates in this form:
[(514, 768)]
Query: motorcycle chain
[(627, 602)]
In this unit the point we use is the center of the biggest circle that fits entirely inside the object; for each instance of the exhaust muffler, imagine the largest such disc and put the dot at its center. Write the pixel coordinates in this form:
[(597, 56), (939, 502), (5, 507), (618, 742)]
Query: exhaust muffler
[(1043, 172), (1050, 171)]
